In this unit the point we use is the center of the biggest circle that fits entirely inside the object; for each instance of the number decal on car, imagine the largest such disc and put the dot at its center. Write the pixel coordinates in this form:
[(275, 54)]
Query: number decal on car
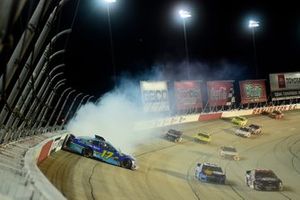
[(106, 154)]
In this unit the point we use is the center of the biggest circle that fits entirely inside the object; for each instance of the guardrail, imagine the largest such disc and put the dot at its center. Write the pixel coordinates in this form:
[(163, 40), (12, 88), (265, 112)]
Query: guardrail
[(18, 167)]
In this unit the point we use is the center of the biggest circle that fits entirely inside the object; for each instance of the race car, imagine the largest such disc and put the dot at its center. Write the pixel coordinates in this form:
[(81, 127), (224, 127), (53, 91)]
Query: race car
[(255, 129), (174, 135), (208, 172), (241, 121), (263, 179), (276, 114), (96, 147), (229, 152), (202, 137), (243, 132)]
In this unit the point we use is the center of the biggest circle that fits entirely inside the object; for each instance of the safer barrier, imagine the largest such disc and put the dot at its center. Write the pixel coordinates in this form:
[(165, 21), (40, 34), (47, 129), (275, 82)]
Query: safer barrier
[(210, 116), (34, 156)]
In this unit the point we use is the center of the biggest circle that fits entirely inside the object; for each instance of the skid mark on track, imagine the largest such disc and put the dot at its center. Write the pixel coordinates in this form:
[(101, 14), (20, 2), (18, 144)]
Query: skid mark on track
[(91, 185)]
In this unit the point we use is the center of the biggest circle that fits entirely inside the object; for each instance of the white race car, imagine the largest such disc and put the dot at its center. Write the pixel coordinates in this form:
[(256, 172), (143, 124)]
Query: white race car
[(243, 132), (229, 152)]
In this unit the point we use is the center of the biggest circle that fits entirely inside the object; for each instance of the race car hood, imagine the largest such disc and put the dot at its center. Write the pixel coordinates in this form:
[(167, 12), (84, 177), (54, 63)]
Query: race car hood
[(268, 179), (218, 173)]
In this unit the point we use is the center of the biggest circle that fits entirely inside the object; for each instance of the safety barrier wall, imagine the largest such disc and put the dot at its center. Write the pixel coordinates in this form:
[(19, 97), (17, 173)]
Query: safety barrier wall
[(37, 154), (210, 116)]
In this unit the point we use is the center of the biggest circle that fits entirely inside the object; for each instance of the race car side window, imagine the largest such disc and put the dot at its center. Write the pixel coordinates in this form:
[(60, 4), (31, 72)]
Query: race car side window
[(96, 143)]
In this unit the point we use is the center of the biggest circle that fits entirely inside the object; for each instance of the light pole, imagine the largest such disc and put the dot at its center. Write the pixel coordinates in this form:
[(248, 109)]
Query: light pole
[(253, 25), (185, 14), (112, 52)]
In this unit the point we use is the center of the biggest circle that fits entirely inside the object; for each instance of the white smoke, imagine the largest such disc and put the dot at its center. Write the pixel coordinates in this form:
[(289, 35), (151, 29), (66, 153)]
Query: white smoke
[(114, 117)]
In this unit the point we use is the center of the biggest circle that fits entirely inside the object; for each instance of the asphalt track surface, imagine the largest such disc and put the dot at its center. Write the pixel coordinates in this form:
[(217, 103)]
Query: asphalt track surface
[(166, 170)]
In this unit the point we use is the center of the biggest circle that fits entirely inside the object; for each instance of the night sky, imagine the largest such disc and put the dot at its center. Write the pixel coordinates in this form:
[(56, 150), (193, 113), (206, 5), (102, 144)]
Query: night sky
[(148, 35)]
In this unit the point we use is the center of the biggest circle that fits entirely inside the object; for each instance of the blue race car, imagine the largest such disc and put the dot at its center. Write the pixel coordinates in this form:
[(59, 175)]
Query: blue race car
[(208, 172), (100, 149)]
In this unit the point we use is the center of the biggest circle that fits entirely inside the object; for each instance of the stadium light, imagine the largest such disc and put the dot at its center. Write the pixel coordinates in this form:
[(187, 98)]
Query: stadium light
[(110, 1), (112, 53), (184, 14), (253, 24)]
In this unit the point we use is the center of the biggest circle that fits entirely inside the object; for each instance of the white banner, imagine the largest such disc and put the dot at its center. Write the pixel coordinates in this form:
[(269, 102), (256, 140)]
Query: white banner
[(285, 86), (155, 96), (285, 81)]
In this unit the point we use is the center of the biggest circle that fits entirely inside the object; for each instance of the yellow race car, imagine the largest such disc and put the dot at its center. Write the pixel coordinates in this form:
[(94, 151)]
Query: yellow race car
[(241, 121), (202, 137)]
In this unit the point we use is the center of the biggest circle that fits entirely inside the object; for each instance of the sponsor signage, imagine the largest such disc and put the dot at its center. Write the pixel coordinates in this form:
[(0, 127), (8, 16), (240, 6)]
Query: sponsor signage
[(188, 95), (220, 93), (285, 86), (253, 91), (155, 96)]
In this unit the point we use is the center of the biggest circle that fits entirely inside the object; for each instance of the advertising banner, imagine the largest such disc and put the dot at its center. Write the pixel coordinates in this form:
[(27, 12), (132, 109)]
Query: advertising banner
[(220, 93), (285, 86), (188, 95), (253, 91), (155, 96)]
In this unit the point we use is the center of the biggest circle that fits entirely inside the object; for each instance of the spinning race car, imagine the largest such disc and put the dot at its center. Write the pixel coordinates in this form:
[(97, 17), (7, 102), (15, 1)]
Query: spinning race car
[(99, 149), (202, 137)]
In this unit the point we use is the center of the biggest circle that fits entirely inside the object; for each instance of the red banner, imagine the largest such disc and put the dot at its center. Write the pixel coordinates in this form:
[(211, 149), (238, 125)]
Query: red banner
[(220, 93), (253, 91), (188, 95), (44, 151)]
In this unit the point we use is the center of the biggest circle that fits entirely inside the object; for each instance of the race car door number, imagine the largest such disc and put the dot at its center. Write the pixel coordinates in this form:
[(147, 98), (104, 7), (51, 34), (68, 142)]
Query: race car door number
[(106, 154)]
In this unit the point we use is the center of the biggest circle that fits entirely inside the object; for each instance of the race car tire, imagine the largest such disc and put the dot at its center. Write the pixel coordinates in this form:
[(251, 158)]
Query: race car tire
[(126, 164), (255, 186), (236, 158), (87, 152)]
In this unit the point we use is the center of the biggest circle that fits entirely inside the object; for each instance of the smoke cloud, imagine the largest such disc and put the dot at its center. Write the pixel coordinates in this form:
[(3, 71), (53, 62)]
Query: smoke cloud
[(114, 115)]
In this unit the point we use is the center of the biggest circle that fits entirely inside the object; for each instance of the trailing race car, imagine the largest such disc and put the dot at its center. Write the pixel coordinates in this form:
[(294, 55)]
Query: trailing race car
[(100, 149), (255, 129), (243, 131), (174, 135), (210, 173), (202, 137), (229, 152), (263, 179), (276, 114), (241, 121)]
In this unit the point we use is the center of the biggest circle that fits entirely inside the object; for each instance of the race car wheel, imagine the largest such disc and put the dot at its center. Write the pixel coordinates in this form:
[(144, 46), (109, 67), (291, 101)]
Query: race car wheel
[(126, 164), (236, 158), (255, 186), (87, 153), (69, 139)]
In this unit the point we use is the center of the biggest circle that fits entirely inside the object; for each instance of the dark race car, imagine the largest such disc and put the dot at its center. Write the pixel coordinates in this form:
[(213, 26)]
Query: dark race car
[(174, 135), (263, 179), (100, 149), (276, 114), (208, 172), (255, 129)]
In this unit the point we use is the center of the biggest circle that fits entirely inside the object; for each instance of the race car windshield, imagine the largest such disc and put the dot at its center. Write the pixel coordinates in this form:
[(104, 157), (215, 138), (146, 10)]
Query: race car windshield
[(231, 149), (203, 135), (254, 126), (212, 168), (265, 174), (245, 129), (240, 118)]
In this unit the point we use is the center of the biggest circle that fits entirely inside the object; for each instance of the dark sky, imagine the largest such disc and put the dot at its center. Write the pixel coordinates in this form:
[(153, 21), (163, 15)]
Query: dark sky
[(147, 34)]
